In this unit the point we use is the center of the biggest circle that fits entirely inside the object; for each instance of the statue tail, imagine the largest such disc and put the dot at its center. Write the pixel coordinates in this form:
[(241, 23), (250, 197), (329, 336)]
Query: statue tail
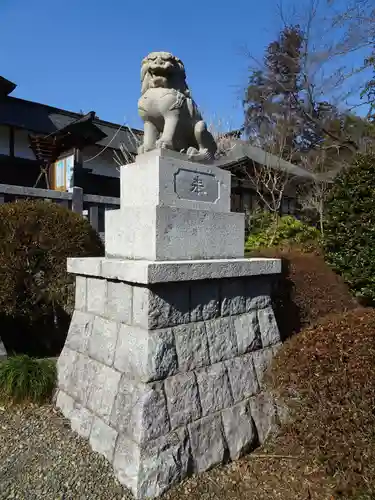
[(201, 156)]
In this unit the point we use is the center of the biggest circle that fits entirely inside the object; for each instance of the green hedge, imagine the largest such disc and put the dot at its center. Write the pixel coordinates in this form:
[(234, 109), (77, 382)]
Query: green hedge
[(350, 227), (270, 231), (36, 292)]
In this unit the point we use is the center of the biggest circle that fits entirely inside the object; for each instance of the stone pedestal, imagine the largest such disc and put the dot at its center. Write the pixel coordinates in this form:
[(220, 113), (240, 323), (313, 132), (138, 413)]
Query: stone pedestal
[(163, 365), (172, 209)]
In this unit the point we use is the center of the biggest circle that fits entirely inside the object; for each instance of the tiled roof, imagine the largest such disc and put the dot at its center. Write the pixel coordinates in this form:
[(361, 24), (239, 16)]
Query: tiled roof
[(42, 119), (242, 150)]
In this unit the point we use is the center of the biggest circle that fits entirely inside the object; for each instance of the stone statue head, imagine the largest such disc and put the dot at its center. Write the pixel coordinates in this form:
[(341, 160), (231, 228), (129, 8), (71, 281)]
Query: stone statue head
[(163, 69)]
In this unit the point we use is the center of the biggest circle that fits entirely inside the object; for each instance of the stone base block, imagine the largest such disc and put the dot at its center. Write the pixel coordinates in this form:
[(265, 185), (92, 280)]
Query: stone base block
[(168, 233), (148, 470), (166, 178), (148, 272), (166, 379), (174, 209)]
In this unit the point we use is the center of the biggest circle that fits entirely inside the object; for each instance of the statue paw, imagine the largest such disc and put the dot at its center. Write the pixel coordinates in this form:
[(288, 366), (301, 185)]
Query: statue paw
[(164, 144), (191, 151)]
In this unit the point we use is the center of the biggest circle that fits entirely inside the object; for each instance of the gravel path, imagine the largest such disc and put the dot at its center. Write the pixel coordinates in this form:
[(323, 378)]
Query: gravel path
[(41, 458)]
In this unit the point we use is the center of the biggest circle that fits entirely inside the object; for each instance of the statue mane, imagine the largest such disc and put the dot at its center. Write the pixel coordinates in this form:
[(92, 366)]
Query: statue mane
[(174, 76), (172, 117)]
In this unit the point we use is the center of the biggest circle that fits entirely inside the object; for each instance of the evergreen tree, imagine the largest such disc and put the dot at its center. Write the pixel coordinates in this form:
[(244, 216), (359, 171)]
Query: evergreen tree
[(280, 100)]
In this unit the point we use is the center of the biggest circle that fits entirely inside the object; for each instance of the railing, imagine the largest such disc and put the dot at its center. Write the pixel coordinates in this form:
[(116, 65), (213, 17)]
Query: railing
[(89, 205)]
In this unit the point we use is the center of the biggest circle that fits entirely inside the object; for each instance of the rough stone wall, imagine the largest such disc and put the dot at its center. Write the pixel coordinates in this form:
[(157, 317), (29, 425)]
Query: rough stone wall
[(3, 352), (167, 380)]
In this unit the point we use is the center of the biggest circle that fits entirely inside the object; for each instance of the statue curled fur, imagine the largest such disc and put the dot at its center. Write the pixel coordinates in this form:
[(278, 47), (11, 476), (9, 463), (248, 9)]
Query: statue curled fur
[(171, 117)]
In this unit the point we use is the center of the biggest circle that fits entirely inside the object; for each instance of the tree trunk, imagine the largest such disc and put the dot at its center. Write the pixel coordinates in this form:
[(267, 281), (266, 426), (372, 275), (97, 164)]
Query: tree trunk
[(275, 225), (321, 221)]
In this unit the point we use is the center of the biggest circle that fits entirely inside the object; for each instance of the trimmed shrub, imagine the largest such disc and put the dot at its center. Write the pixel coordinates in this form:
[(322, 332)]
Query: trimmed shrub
[(24, 379), (350, 227), (36, 292), (326, 377), (307, 290), (282, 231)]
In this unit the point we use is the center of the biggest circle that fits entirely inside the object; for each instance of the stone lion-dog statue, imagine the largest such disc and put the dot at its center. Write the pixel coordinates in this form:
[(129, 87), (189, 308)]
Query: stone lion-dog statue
[(171, 117)]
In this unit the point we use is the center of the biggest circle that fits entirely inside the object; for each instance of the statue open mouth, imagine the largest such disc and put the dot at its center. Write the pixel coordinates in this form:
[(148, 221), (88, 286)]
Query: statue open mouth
[(160, 71)]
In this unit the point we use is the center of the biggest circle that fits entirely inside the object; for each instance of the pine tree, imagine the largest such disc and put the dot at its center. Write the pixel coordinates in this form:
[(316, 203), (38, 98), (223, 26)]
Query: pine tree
[(270, 99)]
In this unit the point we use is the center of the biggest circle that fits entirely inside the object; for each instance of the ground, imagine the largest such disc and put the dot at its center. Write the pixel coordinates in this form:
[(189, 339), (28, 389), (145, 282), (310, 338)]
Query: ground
[(41, 458)]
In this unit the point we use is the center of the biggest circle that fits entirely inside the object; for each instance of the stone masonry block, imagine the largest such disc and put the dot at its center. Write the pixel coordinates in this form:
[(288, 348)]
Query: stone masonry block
[(263, 411), (207, 443), (239, 429), (205, 300), (262, 361), (182, 399), (268, 327), (65, 403), (191, 346), (242, 377), (232, 296), (96, 296), (159, 173), (103, 340), (79, 331), (3, 352), (246, 327), (66, 365), (214, 388), (221, 339), (102, 391), (257, 293), (140, 411), (127, 463), (276, 348), (145, 355), (119, 302), (147, 273), (83, 376), (150, 469), (165, 461), (81, 420), (81, 293), (103, 438), (283, 412), (161, 306), (165, 233)]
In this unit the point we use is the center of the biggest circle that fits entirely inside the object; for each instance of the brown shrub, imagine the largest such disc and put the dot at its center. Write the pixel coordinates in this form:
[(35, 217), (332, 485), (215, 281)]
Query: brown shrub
[(307, 291), (326, 376)]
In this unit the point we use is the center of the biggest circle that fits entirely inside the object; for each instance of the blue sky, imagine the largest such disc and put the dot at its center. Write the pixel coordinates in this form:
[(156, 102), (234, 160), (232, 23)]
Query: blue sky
[(86, 54)]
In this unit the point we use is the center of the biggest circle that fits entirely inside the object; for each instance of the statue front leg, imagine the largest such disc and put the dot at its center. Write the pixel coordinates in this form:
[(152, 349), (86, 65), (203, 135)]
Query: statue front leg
[(150, 136), (171, 123)]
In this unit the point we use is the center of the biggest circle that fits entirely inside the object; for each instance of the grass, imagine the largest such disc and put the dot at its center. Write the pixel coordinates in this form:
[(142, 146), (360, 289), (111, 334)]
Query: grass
[(26, 379)]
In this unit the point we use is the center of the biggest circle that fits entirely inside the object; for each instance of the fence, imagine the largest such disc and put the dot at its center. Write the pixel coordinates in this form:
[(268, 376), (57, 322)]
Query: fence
[(89, 205)]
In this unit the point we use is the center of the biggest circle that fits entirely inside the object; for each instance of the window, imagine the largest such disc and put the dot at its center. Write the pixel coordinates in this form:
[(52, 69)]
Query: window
[(4, 140), (288, 206), (62, 174), (21, 145)]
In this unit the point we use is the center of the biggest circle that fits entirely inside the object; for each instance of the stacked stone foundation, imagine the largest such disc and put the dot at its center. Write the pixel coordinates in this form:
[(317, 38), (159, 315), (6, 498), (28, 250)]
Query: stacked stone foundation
[(166, 379)]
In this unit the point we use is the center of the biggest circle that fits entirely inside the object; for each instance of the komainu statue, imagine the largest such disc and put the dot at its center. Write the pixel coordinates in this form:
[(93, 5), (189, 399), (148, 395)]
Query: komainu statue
[(171, 117)]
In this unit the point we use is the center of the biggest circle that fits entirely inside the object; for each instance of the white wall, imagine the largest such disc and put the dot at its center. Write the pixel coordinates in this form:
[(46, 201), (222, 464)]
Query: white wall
[(21, 145), (104, 164), (4, 140)]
